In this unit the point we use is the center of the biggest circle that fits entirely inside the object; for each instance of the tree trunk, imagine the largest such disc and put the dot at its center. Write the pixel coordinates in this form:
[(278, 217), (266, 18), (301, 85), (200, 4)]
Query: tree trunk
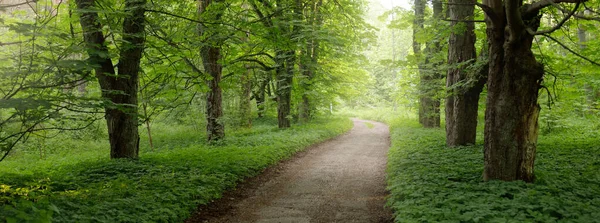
[(245, 100), (119, 89), (284, 77), (311, 57), (261, 95), (211, 54), (463, 85), (511, 127), (429, 105), (419, 7)]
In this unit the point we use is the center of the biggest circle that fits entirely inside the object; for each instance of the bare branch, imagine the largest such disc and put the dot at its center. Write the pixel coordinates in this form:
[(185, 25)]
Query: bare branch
[(458, 20), (486, 9), (3, 6), (557, 26), (535, 7)]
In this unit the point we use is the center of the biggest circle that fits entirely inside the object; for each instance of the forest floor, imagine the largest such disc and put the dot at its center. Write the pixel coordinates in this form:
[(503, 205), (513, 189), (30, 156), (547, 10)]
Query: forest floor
[(340, 180)]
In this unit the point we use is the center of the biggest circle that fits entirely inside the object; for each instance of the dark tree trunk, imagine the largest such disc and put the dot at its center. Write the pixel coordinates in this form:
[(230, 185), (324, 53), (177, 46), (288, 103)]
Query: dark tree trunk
[(464, 86), (284, 77), (119, 89), (511, 127), (211, 54)]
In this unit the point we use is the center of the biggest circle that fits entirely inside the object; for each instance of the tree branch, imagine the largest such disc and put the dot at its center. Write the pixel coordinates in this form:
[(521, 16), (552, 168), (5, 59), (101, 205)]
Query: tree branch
[(2, 7), (570, 50), (535, 7), (486, 9), (557, 26), (458, 20)]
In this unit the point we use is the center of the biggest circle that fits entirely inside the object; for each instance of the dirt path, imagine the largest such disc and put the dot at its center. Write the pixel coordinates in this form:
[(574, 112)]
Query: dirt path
[(341, 180)]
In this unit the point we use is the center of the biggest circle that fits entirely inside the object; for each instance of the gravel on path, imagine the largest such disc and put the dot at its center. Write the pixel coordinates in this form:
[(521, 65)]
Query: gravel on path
[(340, 180)]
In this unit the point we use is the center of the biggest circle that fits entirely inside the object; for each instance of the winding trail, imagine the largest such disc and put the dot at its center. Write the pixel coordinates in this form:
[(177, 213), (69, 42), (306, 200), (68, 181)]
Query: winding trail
[(340, 180)]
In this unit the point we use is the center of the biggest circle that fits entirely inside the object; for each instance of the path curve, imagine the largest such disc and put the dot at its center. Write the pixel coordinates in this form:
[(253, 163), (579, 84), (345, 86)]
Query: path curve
[(340, 180)]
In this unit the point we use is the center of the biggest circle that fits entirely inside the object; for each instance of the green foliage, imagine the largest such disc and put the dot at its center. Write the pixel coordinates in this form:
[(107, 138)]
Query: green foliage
[(75, 185), (432, 183)]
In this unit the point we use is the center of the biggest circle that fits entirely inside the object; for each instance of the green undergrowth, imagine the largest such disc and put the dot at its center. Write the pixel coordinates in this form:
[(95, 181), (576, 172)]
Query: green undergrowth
[(164, 185), (429, 182)]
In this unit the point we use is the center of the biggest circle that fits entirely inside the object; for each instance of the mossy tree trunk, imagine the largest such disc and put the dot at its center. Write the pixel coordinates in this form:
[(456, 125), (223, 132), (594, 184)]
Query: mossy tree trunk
[(210, 53)]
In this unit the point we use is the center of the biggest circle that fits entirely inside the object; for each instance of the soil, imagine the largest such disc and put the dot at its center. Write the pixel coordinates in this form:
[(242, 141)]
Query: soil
[(340, 180)]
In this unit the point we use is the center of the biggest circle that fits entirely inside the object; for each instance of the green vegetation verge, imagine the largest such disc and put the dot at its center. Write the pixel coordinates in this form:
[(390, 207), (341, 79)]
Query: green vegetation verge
[(430, 182), (80, 183)]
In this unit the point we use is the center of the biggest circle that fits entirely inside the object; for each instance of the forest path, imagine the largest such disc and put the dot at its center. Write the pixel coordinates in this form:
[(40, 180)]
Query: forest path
[(340, 180)]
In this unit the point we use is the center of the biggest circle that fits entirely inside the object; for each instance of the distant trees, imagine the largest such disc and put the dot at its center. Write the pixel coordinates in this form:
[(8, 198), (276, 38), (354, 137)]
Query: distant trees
[(167, 55)]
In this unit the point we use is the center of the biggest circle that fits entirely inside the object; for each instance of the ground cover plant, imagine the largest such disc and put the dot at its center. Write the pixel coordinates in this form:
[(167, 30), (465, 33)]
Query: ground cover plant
[(81, 184), (430, 182)]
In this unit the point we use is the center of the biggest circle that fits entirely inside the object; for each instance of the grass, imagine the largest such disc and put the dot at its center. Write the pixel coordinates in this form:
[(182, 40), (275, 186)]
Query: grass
[(369, 125), (429, 182), (78, 183)]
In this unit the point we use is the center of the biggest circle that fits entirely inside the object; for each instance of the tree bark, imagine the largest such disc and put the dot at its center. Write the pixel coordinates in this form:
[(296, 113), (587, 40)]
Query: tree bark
[(511, 127), (429, 105), (210, 53), (464, 86), (284, 77), (120, 90)]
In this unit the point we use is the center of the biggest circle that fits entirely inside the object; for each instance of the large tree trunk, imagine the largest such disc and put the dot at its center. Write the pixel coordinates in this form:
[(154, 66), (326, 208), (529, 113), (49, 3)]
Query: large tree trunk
[(211, 54), (119, 89), (511, 127), (464, 86)]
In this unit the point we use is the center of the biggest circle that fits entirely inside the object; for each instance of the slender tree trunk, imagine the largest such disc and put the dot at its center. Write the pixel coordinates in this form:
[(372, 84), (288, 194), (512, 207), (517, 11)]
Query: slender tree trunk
[(463, 85), (148, 128), (119, 89), (260, 96), (419, 6), (591, 93), (211, 54), (245, 99), (305, 83), (511, 118)]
